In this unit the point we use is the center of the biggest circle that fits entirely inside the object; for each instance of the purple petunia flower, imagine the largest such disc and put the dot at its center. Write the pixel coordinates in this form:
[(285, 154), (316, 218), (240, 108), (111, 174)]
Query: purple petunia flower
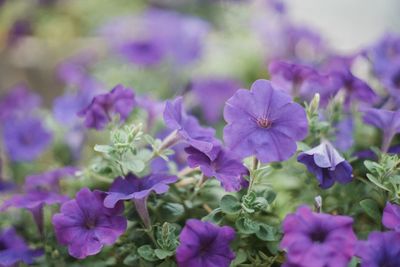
[(355, 89), (48, 181), (85, 225), (384, 53), (138, 190), (344, 133), (391, 217), (317, 239), (156, 36), (386, 120), (203, 244), (226, 168), (34, 201), (381, 249), (13, 249), (188, 127), (303, 81), (25, 139), (289, 76), (17, 103), (263, 122), (212, 93), (327, 165), (100, 110)]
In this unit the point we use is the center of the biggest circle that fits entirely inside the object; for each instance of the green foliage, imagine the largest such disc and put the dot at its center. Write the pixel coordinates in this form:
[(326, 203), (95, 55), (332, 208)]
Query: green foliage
[(385, 175)]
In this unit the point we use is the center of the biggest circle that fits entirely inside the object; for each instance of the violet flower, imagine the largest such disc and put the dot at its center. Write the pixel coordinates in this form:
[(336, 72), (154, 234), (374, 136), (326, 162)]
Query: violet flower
[(138, 190), (263, 122), (344, 133), (381, 249), (25, 139), (386, 120), (212, 93), (34, 201), (48, 181), (85, 225), (17, 103), (159, 35), (225, 168), (14, 250), (188, 128), (303, 81), (355, 89), (99, 112), (19, 29), (318, 240), (391, 217), (203, 244), (327, 165)]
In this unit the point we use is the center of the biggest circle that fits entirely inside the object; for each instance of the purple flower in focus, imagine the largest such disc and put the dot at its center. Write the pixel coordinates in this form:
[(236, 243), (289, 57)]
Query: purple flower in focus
[(99, 112), (327, 165), (212, 94), (391, 217), (226, 169), (48, 181), (25, 139), (203, 244), (318, 240), (138, 190), (188, 127), (17, 103), (85, 225), (13, 249), (381, 249), (386, 120), (263, 122)]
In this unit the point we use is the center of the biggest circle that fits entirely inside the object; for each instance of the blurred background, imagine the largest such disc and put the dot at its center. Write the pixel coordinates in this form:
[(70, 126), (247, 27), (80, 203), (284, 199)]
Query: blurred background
[(37, 36)]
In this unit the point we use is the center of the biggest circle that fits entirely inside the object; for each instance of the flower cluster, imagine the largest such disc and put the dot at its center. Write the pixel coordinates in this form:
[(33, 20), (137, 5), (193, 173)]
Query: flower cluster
[(255, 145)]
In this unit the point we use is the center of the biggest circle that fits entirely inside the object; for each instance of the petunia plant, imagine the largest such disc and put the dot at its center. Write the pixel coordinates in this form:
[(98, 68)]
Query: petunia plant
[(195, 135)]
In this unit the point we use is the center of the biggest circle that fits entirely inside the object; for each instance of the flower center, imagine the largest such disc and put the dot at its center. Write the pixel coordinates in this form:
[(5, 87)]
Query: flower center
[(396, 79), (264, 122), (318, 236), (3, 246), (90, 224)]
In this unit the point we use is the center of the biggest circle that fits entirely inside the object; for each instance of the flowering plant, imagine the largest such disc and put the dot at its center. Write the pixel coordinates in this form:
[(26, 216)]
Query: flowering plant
[(157, 155)]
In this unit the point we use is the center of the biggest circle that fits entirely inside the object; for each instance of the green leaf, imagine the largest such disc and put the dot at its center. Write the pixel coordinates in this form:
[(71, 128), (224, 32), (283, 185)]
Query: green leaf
[(230, 204), (131, 260), (266, 233), (162, 254), (376, 182), (134, 165), (241, 256), (103, 148), (147, 253), (247, 226), (216, 216), (371, 208), (171, 212)]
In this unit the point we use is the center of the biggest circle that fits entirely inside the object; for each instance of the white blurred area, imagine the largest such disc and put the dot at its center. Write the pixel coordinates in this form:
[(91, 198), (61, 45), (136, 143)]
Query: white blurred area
[(348, 24)]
